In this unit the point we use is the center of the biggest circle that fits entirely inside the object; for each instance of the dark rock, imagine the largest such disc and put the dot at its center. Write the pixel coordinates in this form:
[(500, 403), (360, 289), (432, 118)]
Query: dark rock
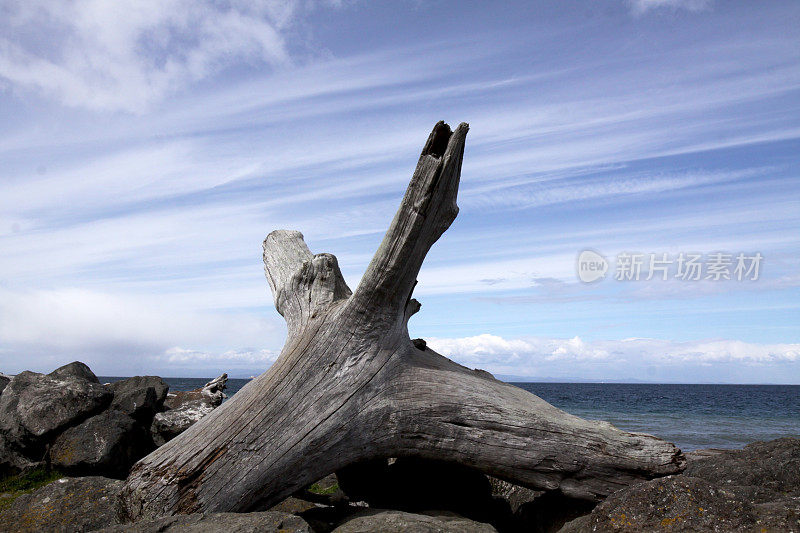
[(324, 519), (679, 503), (362, 480), (697, 455), (293, 505), (420, 344), (33, 407), (264, 522), (182, 398), (416, 485), (3, 381), (107, 444), (327, 484), (762, 472), (140, 397), (371, 520), (549, 512), (325, 491), (580, 525), (76, 369), (322, 504), (781, 515), (13, 462), (66, 505)]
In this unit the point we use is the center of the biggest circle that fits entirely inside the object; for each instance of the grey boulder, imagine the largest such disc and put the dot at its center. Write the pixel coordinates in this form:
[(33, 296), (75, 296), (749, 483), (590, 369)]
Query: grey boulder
[(372, 520), (75, 369), (35, 406), (762, 472), (264, 522), (66, 505), (12, 462), (680, 503), (106, 444), (140, 396), (3, 381)]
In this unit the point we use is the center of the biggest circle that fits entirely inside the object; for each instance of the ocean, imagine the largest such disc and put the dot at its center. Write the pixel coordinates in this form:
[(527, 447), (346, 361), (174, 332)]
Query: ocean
[(691, 416)]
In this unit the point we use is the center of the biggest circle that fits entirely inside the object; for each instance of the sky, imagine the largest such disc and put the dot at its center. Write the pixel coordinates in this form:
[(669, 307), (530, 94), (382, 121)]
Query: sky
[(148, 147)]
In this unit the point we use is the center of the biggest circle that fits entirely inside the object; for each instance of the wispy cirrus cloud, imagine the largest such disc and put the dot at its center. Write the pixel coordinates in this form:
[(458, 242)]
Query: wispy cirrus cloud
[(126, 55), (639, 7), (657, 137)]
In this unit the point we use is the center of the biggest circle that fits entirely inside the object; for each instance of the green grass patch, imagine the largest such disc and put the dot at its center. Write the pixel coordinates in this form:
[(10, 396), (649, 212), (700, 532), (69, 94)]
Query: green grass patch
[(316, 488), (12, 487)]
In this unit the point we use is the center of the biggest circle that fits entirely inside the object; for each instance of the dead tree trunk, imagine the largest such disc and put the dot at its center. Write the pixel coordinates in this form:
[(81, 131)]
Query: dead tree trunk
[(349, 386)]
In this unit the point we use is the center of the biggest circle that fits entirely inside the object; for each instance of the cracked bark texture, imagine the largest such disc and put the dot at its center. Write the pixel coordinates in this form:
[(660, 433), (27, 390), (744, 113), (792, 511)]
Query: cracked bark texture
[(349, 386)]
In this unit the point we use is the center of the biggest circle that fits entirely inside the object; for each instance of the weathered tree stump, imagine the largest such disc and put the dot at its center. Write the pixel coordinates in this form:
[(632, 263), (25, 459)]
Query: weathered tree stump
[(350, 385)]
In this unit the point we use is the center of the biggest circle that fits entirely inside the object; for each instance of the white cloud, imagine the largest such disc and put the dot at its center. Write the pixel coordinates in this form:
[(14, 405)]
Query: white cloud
[(232, 359), (481, 346), (727, 351), (113, 333), (642, 6), (634, 358), (489, 349), (123, 334), (575, 348), (127, 54)]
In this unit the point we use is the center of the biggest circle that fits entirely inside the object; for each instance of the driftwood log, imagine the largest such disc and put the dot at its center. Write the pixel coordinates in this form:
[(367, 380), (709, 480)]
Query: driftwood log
[(350, 385)]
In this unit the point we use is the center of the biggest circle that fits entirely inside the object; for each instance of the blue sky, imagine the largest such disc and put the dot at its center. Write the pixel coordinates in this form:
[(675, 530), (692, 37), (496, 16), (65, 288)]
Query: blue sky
[(146, 149)]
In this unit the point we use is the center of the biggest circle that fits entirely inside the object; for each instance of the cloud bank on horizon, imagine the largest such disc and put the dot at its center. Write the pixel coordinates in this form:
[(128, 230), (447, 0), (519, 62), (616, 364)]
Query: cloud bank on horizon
[(147, 148)]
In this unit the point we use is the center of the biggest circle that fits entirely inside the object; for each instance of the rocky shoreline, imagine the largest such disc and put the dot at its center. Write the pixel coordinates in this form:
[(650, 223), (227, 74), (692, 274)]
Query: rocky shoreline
[(67, 422)]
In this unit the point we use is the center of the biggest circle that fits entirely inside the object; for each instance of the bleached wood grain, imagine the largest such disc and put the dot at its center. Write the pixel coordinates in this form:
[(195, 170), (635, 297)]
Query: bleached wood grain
[(349, 386)]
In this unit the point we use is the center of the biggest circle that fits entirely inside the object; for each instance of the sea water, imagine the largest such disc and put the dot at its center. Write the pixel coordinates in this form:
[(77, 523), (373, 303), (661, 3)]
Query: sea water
[(691, 416)]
